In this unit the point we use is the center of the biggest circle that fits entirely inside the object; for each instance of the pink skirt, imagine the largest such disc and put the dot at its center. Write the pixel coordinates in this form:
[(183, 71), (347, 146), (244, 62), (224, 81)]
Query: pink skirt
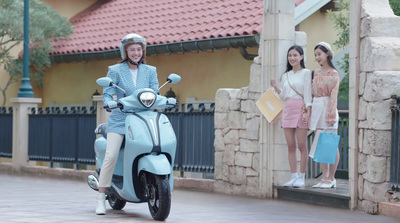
[(292, 114)]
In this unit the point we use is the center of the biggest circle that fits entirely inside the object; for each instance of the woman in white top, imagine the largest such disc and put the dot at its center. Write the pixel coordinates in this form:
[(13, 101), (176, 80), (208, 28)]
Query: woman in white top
[(295, 91)]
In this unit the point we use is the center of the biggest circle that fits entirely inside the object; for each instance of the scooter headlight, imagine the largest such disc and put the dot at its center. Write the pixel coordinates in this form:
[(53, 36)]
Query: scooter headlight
[(147, 98)]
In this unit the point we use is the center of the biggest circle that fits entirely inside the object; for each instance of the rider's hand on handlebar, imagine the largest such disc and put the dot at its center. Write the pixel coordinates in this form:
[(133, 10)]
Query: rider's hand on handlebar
[(111, 104), (171, 102)]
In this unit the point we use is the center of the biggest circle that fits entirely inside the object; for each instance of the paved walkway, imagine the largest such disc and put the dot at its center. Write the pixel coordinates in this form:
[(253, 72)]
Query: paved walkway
[(51, 200)]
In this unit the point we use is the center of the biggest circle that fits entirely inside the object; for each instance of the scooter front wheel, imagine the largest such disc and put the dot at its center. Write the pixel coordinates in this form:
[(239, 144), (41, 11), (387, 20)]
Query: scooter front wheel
[(116, 203), (159, 196)]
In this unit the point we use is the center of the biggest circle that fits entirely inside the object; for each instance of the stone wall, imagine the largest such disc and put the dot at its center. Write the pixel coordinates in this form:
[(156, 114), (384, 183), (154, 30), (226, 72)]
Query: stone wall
[(237, 136), (379, 78)]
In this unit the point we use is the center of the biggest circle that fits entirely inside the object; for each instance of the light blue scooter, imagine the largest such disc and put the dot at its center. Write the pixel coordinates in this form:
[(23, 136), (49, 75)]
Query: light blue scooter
[(144, 170)]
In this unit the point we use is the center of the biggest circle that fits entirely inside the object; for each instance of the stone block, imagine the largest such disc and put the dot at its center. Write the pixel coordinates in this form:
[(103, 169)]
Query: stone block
[(376, 8), (243, 159), (232, 137), (222, 98), (248, 106), (360, 187), (228, 157), (362, 109), (376, 192), (254, 96), (250, 146), (380, 26), (377, 143), (250, 172), (243, 93), (379, 54), (361, 81), (218, 165), (362, 163), (234, 105), (368, 206), (380, 85), (375, 170), (379, 115), (220, 120), (252, 128), (236, 120), (253, 188), (222, 187), (219, 144), (237, 175)]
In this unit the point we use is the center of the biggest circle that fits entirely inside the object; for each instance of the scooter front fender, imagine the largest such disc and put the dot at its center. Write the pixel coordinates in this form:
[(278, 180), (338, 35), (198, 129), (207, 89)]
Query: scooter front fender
[(156, 164)]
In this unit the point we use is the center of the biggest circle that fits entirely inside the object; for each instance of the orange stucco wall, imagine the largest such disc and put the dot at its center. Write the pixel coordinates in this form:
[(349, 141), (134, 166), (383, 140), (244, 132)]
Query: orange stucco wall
[(202, 75)]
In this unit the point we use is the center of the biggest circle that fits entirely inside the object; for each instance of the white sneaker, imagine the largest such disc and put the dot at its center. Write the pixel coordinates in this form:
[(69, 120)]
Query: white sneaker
[(291, 181), (101, 204), (300, 181)]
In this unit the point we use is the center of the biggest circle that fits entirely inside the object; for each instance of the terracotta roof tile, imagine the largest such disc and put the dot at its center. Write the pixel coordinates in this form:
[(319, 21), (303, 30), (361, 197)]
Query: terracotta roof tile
[(101, 26)]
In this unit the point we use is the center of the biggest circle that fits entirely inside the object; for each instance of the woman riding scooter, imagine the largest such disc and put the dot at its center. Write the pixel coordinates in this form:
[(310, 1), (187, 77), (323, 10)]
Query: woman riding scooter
[(131, 73)]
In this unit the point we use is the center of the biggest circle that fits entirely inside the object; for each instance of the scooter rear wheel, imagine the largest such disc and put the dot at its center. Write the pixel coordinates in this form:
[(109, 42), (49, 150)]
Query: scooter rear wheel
[(116, 203), (159, 196)]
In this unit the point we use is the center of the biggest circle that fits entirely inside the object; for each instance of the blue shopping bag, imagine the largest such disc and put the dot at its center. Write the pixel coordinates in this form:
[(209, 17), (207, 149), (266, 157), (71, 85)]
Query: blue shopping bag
[(326, 149)]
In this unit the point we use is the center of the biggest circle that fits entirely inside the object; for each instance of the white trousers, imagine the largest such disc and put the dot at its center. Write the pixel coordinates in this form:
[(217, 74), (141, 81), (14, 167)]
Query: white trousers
[(114, 141)]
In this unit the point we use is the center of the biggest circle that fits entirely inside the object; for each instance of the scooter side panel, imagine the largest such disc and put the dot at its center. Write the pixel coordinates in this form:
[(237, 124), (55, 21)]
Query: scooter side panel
[(168, 143), (138, 140), (100, 145), (157, 164)]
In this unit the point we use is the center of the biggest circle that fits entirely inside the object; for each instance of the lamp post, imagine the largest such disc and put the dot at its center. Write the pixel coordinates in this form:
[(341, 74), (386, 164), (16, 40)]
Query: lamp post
[(26, 88)]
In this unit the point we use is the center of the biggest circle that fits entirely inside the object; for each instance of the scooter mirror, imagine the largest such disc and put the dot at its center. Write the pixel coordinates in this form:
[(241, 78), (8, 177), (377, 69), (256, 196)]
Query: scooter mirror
[(174, 78), (104, 81)]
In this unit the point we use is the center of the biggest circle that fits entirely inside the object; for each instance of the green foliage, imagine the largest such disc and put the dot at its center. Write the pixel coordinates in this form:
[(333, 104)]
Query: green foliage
[(45, 24), (341, 19), (395, 4)]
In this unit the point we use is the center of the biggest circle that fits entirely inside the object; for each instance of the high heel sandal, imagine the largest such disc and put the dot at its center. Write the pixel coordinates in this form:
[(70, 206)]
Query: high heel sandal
[(318, 185), (329, 184)]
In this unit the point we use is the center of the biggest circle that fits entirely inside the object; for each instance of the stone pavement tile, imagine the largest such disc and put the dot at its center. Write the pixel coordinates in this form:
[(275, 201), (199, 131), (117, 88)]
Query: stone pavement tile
[(39, 199)]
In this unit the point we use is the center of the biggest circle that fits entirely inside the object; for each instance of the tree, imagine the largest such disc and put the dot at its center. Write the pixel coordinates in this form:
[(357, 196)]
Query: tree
[(45, 25), (342, 23)]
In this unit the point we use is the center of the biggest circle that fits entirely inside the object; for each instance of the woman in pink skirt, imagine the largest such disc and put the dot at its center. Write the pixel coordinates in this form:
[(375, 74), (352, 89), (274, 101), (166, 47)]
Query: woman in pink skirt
[(295, 90)]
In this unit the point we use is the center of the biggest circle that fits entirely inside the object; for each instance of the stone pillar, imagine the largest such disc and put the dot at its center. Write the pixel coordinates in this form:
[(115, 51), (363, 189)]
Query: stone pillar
[(276, 39), (374, 77), (21, 110)]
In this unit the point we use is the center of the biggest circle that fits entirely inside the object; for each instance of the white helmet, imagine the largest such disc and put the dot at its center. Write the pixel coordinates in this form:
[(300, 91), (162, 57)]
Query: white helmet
[(131, 38)]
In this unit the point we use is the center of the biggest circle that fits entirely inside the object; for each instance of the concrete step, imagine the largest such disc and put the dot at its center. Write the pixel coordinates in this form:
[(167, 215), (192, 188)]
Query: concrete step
[(335, 197)]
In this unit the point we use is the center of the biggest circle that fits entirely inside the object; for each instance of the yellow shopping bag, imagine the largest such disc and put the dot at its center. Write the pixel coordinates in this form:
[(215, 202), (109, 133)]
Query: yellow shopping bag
[(270, 105)]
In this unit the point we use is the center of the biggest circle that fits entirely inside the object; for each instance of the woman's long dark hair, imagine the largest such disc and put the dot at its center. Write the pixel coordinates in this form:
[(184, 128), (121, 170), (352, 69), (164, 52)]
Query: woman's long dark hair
[(325, 50), (301, 52)]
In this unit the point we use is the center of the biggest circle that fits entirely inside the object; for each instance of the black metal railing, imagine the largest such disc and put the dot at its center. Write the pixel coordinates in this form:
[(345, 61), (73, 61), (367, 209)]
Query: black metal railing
[(62, 136), (6, 129), (67, 136), (314, 170), (395, 153), (194, 129)]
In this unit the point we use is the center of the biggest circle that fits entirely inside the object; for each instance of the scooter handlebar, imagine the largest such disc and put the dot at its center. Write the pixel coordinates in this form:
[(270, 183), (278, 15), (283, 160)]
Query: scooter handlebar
[(119, 105)]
